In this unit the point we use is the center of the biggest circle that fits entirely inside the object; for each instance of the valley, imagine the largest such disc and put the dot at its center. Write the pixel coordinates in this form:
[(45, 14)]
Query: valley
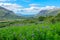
[(43, 26)]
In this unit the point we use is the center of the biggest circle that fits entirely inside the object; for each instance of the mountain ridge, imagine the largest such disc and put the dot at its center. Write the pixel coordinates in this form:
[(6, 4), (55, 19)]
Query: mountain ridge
[(51, 12), (7, 14)]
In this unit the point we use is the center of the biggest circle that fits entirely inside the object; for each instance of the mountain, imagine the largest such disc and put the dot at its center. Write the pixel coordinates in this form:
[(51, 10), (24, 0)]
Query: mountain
[(51, 12), (44, 12), (7, 14)]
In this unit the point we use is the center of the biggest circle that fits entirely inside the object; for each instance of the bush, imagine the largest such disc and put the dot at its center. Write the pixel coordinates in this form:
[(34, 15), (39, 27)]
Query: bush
[(41, 18)]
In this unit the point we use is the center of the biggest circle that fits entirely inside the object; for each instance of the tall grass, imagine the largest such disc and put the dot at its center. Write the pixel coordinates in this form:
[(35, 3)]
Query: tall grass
[(31, 32)]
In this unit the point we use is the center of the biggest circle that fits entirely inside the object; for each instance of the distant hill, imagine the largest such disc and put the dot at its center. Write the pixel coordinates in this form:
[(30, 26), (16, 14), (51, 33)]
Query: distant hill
[(7, 14), (51, 12)]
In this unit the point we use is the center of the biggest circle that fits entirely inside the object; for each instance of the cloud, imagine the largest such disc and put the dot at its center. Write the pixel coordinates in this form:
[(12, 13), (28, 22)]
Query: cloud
[(48, 7), (18, 9), (35, 8), (31, 10), (10, 6)]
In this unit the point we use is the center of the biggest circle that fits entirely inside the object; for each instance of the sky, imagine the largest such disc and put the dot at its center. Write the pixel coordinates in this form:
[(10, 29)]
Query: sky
[(29, 6)]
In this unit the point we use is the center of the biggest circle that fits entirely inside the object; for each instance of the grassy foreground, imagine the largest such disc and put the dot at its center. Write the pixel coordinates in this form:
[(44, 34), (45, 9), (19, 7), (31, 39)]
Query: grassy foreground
[(44, 31)]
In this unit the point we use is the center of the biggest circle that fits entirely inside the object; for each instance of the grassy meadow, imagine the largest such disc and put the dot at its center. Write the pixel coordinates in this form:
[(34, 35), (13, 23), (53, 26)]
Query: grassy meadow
[(41, 28), (31, 31)]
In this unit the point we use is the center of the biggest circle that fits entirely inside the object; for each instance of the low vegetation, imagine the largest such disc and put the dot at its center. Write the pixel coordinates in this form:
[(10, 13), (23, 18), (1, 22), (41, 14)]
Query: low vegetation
[(31, 32), (42, 28)]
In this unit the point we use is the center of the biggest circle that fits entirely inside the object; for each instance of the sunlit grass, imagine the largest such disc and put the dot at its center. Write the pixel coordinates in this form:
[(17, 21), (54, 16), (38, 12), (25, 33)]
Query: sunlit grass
[(31, 32)]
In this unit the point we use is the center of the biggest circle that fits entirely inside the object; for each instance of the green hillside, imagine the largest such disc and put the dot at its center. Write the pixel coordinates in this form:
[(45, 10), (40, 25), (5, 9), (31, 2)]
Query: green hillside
[(7, 14)]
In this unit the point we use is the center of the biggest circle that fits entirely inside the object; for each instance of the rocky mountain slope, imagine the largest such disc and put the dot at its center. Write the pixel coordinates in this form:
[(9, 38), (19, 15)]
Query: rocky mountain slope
[(51, 12)]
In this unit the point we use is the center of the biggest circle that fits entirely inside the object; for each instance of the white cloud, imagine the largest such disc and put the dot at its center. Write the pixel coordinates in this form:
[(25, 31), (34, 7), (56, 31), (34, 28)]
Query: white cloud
[(20, 9), (33, 9), (10, 6), (48, 7)]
